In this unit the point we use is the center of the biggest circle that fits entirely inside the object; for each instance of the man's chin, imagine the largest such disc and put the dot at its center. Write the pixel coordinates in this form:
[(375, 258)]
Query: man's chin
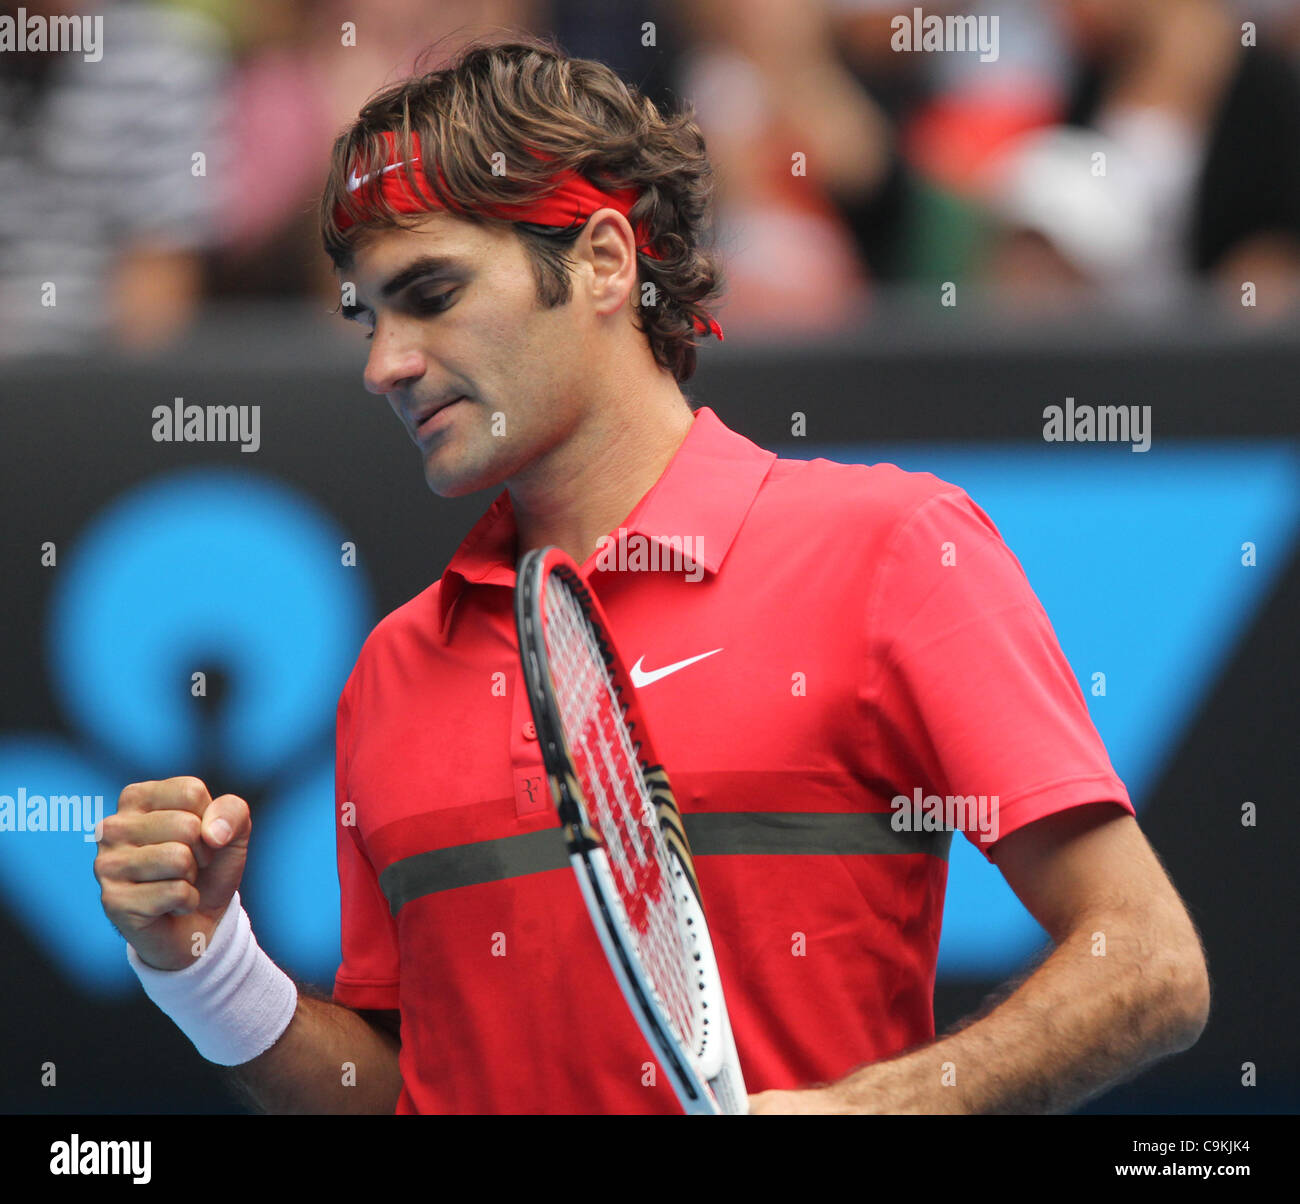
[(461, 484)]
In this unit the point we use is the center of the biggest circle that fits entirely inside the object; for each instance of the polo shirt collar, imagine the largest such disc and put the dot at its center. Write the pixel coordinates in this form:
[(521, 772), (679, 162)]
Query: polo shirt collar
[(706, 491)]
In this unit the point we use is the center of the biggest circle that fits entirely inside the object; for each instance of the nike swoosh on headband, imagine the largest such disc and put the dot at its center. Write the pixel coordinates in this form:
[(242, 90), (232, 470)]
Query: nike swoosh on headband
[(355, 181)]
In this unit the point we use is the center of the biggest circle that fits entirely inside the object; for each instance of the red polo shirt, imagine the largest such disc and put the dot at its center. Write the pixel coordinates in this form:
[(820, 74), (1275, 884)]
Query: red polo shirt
[(869, 636)]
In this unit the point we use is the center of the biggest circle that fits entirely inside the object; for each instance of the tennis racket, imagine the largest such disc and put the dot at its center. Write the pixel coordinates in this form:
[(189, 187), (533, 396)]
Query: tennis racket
[(624, 832)]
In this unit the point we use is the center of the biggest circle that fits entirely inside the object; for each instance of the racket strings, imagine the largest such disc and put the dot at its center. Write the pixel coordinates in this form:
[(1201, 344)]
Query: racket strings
[(621, 805)]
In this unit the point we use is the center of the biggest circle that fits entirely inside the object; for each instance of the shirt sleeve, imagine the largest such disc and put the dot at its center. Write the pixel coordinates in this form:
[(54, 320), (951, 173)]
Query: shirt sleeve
[(971, 695), (368, 976)]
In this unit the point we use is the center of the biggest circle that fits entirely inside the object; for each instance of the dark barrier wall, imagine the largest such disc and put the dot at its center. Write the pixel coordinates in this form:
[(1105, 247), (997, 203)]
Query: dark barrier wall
[(133, 564)]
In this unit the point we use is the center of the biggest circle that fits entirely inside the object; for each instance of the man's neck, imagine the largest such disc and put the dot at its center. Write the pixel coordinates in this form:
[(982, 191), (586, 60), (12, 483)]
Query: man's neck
[(587, 485)]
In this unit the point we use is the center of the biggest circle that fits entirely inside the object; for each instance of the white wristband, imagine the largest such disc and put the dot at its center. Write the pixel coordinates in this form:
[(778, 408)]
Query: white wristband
[(234, 1002)]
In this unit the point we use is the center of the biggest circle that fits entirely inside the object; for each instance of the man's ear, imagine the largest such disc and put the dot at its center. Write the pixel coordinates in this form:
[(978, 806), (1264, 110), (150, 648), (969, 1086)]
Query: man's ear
[(609, 246)]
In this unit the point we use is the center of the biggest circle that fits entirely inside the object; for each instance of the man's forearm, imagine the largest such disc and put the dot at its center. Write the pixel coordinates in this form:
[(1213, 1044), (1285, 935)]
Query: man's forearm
[(329, 1060), (1079, 1024)]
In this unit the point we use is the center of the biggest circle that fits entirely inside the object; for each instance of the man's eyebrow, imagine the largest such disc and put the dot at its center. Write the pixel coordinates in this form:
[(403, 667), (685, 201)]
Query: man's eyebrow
[(426, 265)]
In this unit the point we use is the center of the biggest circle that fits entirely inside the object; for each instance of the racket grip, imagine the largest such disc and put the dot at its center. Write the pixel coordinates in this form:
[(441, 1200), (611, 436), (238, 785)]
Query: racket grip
[(729, 1085)]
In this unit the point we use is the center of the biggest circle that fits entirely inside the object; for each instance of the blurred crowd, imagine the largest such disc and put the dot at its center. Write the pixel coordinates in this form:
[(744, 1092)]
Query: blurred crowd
[(1109, 152)]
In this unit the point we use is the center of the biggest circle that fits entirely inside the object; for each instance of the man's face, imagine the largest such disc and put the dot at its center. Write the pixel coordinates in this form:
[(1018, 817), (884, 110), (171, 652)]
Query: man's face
[(454, 314)]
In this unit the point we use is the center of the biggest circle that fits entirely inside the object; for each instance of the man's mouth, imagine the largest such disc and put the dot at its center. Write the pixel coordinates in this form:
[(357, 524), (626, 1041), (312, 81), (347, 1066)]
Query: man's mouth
[(432, 420)]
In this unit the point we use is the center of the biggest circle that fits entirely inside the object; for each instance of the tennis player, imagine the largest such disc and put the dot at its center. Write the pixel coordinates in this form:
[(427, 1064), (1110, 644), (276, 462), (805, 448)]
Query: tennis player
[(841, 665)]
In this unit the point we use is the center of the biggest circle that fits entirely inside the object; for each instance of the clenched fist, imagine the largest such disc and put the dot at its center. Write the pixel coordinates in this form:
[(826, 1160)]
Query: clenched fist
[(168, 863)]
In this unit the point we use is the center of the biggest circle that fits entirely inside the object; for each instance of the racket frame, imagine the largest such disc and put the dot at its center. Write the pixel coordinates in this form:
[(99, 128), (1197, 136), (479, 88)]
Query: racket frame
[(706, 1081)]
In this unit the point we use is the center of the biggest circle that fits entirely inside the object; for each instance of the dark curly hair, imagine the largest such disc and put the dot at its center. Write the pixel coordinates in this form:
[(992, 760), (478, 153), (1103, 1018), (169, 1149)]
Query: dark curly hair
[(507, 98)]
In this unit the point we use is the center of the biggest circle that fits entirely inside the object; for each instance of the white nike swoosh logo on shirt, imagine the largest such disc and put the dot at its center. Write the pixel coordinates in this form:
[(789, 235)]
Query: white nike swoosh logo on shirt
[(643, 677)]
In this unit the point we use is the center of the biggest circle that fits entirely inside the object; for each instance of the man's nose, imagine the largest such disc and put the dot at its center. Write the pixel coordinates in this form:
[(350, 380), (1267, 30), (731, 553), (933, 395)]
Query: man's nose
[(392, 361)]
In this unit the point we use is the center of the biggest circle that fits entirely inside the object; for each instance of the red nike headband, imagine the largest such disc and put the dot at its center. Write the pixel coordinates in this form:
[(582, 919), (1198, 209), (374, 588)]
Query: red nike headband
[(572, 200)]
